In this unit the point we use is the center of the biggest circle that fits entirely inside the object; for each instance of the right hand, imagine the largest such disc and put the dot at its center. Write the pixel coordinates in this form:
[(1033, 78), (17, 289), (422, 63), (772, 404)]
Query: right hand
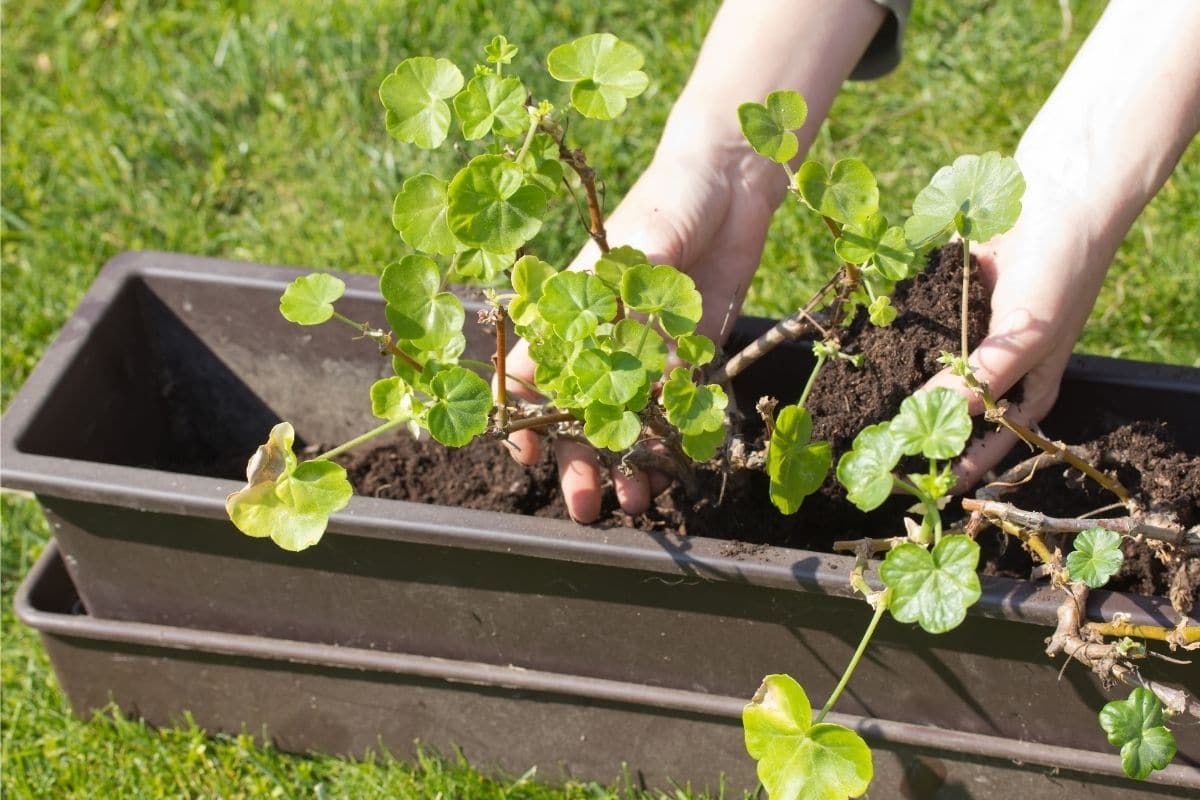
[(707, 216)]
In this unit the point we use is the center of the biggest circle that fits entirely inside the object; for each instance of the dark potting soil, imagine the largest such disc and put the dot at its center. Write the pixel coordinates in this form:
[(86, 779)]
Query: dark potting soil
[(735, 506)]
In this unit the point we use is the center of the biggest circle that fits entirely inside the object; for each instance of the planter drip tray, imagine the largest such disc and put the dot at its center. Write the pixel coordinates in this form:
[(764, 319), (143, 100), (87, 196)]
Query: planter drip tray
[(316, 698)]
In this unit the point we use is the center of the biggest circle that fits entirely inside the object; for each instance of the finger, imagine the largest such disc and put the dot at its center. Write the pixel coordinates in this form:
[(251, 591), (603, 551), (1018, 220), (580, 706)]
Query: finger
[(524, 446), (579, 476), (982, 455), (633, 491), (659, 482)]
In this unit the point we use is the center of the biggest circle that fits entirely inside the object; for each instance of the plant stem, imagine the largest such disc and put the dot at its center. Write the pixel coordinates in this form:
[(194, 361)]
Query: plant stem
[(812, 379), (966, 291), (787, 329), (383, 339), (880, 608), (1036, 521), (576, 160), (1189, 635), (834, 228), (534, 124), (931, 507), (357, 440), (650, 320), (541, 421), (501, 381)]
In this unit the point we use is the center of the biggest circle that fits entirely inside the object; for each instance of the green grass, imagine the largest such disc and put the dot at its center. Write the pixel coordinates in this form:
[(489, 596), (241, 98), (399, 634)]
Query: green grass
[(252, 131)]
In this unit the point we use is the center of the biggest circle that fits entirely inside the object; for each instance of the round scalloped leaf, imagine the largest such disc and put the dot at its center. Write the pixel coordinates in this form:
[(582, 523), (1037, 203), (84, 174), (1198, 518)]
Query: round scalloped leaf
[(612, 428), (647, 346), (933, 589), (416, 310), (492, 207), (315, 487), (499, 51), (768, 128), (1136, 726), (308, 300), (461, 405), (393, 399), (701, 447), (873, 241), (529, 275), (932, 422), (604, 72), (695, 349), (690, 408), (881, 312), (415, 98), (665, 292), (796, 759), (796, 466), (609, 378), (613, 264), (551, 356), (979, 196), (480, 266), (258, 511), (866, 469), (492, 104), (849, 195), (574, 303), (1096, 558), (419, 214)]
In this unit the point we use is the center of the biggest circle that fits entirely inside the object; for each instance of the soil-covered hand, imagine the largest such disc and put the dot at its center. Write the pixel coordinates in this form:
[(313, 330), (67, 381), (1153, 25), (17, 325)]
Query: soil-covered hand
[(707, 216)]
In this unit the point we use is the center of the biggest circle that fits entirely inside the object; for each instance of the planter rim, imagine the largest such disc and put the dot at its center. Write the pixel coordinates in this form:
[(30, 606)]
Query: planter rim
[(695, 557), (262, 648)]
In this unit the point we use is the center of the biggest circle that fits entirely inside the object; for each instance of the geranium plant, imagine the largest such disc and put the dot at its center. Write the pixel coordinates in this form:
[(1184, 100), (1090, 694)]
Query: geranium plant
[(619, 363)]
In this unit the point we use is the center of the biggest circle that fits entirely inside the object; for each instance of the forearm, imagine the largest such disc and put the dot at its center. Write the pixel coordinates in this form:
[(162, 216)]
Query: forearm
[(1116, 125), (759, 46)]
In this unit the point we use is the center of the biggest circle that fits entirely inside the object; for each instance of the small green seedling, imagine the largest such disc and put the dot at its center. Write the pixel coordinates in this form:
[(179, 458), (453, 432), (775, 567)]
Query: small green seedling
[(1136, 726)]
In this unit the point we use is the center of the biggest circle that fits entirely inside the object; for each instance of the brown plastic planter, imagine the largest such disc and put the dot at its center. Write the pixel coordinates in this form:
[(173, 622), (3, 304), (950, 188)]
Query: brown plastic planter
[(310, 697), (140, 417)]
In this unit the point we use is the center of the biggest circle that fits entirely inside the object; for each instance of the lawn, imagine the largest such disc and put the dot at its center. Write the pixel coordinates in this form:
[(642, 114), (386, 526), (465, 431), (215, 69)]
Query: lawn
[(252, 131)]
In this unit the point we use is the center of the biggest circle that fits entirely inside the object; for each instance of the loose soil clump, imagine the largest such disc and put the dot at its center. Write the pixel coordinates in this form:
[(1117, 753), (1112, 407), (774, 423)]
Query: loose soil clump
[(735, 505)]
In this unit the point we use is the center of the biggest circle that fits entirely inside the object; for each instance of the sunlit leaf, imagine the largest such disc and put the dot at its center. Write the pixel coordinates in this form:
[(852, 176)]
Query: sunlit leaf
[(768, 128), (933, 589), (609, 378), (613, 264), (492, 207), (603, 71), (416, 308), (796, 759), (528, 276), (462, 403), (499, 51), (977, 196), (415, 98), (665, 292), (1136, 726), (492, 104), (932, 422), (873, 241), (646, 344), (1096, 558), (691, 408), (796, 466), (574, 303), (848, 195), (866, 469), (612, 428), (695, 349), (308, 300), (419, 214)]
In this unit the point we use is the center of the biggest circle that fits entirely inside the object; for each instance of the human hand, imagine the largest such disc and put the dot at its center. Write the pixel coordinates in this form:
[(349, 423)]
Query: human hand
[(707, 215)]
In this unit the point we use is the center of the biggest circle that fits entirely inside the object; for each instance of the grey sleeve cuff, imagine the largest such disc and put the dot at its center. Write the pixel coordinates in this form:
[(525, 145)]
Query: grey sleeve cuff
[(883, 53)]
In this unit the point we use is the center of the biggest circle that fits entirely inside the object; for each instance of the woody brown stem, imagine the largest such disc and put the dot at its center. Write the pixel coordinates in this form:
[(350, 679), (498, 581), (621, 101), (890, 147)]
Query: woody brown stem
[(787, 329), (577, 161), (1036, 521), (501, 372), (540, 421)]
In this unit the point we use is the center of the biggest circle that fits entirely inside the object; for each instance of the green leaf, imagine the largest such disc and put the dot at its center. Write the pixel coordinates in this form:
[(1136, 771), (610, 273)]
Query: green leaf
[(528, 277), (609, 378), (768, 128), (796, 759), (796, 466), (932, 422), (491, 104), (665, 292), (1136, 726), (419, 213), (1096, 558), (979, 196), (866, 470), (415, 98), (701, 447), (647, 346), (610, 427), (881, 311), (499, 51), (492, 207), (551, 357), (416, 310), (873, 241), (394, 399), (695, 349), (462, 403), (574, 303), (480, 266), (541, 165), (604, 72), (613, 264), (690, 408), (288, 502), (933, 589), (308, 300), (848, 196)]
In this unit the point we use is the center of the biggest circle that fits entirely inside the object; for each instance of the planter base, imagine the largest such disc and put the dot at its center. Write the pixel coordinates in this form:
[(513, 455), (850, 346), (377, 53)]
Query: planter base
[(309, 698)]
